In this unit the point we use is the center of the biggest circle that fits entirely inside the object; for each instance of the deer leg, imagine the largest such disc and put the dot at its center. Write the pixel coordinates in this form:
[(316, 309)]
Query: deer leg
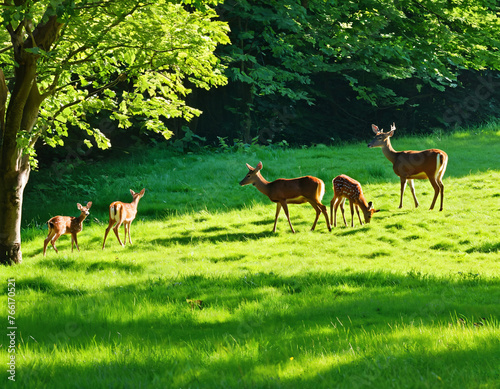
[(320, 208), (437, 189), (318, 212), (441, 186), (359, 217), (351, 205), (332, 203), (412, 188), (403, 186), (439, 179), (342, 202), (111, 222), (53, 241), (325, 213), (125, 229), (115, 229), (336, 205), (278, 209), (128, 230), (73, 238), (47, 240), (285, 208)]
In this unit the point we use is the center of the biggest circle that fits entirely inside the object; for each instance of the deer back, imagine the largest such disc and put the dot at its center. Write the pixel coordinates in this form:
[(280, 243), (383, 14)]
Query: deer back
[(122, 211), (345, 186), (70, 224), (306, 187), (125, 211), (419, 164)]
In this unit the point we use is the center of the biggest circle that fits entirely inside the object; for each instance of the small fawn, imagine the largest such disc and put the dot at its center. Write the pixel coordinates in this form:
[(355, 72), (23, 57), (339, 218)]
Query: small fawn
[(123, 213), (60, 225), (345, 187), (284, 191)]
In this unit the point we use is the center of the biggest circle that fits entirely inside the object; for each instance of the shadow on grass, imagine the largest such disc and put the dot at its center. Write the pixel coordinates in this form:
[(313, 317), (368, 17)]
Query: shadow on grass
[(353, 231), (485, 248), (214, 259), (72, 264), (229, 237), (40, 284), (312, 316)]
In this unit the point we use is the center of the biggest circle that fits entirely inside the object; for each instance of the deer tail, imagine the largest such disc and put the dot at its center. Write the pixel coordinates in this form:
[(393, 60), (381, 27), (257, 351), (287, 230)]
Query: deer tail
[(321, 190), (442, 161), (113, 211)]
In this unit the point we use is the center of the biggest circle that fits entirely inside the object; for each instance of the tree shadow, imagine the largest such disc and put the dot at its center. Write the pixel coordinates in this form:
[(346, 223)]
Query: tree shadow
[(337, 310), (89, 267), (42, 285), (226, 237)]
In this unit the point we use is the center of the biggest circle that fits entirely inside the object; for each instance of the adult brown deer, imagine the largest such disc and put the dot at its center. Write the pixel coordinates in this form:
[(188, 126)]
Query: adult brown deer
[(61, 225), (345, 187), (410, 165), (289, 191), (123, 213)]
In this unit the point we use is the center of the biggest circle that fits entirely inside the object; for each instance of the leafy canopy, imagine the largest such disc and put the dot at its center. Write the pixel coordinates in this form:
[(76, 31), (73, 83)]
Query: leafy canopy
[(278, 45), (154, 47)]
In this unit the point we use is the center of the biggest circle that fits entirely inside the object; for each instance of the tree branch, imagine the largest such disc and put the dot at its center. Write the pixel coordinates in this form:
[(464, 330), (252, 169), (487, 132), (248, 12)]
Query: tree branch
[(118, 79)]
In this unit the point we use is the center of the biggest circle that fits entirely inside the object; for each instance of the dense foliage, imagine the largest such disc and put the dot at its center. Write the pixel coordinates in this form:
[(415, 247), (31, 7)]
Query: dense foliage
[(152, 47), (310, 71), (319, 71)]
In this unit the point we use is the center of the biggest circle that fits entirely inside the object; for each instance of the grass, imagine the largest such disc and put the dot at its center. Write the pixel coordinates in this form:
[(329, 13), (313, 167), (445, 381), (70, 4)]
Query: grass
[(409, 301)]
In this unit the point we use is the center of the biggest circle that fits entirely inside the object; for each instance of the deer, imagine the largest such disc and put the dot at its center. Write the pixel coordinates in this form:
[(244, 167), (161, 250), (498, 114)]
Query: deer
[(123, 213), (410, 165), (345, 187), (285, 191), (61, 225)]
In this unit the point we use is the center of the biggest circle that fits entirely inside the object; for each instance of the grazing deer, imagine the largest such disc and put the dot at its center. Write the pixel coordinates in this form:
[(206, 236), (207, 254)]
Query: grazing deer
[(410, 165), (122, 213), (60, 225), (345, 187), (289, 191)]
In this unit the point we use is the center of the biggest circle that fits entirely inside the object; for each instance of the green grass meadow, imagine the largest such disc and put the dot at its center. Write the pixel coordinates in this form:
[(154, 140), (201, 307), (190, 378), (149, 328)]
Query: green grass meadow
[(411, 300)]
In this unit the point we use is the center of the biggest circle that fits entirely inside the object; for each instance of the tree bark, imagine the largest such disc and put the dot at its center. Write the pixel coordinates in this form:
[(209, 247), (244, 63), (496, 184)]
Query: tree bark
[(12, 186), (15, 166), (20, 117)]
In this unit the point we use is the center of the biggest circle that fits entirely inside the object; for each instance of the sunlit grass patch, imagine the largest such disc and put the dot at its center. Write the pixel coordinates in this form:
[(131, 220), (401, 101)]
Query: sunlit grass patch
[(208, 296)]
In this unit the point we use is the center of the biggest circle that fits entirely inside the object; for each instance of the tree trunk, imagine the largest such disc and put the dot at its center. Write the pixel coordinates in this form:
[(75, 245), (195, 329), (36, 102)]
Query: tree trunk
[(20, 117), (12, 186)]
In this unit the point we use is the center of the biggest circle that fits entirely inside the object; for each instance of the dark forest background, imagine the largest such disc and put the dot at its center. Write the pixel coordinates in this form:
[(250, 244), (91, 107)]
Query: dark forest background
[(306, 72)]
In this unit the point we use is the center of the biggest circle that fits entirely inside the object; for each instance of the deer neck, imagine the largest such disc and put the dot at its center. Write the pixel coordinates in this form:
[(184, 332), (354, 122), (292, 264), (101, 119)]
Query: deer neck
[(363, 204), (389, 152), (82, 217), (135, 202), (262, 184)]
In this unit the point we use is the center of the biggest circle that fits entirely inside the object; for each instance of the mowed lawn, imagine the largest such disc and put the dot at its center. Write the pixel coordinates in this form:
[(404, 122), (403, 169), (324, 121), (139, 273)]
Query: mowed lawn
[(208, 297)]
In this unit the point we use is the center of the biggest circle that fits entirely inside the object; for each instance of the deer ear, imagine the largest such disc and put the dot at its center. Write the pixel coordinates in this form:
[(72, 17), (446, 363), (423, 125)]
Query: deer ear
[(143, 191), (89, 204), (79, 206), (249, 167), (370, 206), (375, 129), (259, 166), (132, 192)]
